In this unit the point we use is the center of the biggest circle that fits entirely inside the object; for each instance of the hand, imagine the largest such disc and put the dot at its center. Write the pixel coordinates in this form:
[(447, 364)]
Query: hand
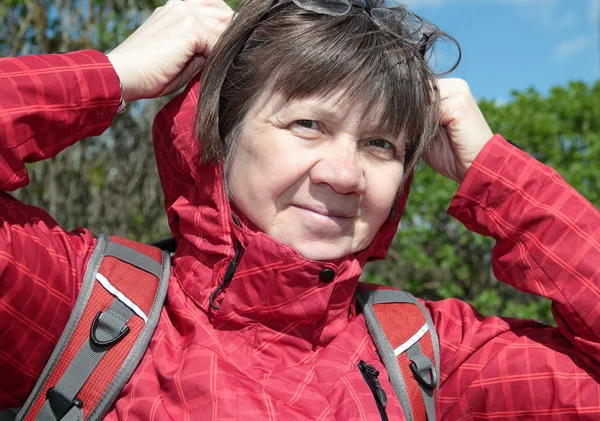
[(463, 132), (165, 52)]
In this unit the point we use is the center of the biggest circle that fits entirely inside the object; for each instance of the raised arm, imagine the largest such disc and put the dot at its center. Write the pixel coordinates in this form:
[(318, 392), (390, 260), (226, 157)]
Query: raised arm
[(547, 243), (46, 104), (49, 102)]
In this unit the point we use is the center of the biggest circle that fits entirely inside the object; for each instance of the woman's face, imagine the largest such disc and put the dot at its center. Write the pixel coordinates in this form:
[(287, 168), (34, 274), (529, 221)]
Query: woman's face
[(314, 174)]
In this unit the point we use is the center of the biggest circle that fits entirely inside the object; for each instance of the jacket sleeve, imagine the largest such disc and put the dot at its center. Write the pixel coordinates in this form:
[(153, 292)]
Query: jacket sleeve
[(49, 102), (547, 243), (46, 104)]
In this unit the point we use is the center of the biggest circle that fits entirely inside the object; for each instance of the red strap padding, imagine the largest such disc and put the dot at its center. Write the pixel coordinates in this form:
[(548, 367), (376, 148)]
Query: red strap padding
[(400, 321), (141, 288)]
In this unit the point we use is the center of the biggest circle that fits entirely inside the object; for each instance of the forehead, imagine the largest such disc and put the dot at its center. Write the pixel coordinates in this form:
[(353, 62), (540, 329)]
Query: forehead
[(337, 105)]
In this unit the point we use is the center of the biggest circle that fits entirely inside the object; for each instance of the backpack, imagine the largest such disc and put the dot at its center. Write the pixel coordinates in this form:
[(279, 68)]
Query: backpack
[(117, 311), (408, 345)]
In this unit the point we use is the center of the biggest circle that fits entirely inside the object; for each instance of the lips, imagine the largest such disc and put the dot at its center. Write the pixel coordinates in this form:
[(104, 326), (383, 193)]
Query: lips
[(331, 213)]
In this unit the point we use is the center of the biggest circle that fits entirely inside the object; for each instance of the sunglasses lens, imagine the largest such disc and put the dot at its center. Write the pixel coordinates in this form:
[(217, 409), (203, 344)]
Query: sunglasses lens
[(325, 7), (400, 22)]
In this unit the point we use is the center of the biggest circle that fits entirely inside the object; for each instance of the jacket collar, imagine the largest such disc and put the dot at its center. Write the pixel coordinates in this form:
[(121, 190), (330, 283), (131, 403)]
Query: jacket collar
[(275, 289)]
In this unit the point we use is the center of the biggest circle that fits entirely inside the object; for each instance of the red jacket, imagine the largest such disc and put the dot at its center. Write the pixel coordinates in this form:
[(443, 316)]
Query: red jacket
[(285, 345)]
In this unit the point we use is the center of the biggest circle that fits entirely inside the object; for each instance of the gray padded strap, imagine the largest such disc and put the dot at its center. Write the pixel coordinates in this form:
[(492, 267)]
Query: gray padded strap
[(386, 352), (134, 258), (110, 324), (139, 348), (395, 296), (89, 280), (415, 354), (366, 300)]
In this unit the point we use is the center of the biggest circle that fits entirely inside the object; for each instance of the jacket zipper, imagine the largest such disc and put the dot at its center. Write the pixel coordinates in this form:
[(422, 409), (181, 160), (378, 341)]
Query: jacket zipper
[(370, 374), (230, 271), (231, 268)]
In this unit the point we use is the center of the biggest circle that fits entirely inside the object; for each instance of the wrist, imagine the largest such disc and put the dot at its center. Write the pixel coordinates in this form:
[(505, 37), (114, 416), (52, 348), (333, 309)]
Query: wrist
[(126, 93)]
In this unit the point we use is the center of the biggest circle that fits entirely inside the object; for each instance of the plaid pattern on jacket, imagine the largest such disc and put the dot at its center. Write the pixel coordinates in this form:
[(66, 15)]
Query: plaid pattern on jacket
[(284, 345)]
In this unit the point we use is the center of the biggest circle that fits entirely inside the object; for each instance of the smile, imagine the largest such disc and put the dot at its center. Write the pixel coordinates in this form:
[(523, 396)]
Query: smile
[(325, 212)]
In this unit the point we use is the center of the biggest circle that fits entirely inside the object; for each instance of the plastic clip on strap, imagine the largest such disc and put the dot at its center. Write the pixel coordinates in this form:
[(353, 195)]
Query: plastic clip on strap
[(61, 406), (423, 370), (96, 330)]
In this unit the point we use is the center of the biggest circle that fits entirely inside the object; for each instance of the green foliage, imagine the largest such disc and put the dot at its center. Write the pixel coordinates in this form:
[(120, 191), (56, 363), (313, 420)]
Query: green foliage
[(109, 184), (561, 130)]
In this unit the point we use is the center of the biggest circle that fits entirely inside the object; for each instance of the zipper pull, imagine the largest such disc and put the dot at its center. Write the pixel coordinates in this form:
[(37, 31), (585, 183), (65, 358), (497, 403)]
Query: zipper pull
[(381, 396), (371, 375), (226, 278)]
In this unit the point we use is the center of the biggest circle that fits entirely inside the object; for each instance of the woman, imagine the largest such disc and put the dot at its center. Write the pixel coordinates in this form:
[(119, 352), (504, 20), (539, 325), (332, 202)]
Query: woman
[(300, 184)]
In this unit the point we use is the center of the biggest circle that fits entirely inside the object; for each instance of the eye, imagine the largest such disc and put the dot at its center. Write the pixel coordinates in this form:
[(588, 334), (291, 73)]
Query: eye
[(381, 143), (384, 149), (307, 124)]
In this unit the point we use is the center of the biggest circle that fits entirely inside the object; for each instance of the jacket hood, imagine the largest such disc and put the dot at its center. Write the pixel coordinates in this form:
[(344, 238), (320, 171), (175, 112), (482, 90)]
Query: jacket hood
[(269, 274)]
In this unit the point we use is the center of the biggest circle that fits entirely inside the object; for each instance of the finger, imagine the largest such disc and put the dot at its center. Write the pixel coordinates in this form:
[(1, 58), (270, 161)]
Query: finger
[(207, 33), (208, 40), (190, 69), (202, 13), (179, 9), (220, 4)]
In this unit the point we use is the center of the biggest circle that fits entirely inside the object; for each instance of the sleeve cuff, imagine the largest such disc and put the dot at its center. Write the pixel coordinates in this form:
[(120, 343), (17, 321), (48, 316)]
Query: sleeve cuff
[(99, 89)]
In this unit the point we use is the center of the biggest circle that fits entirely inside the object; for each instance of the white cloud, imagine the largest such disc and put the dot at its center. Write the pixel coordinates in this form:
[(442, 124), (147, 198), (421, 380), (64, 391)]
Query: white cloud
[(569, 20), (568, 48), (541, 11), (594, 10)]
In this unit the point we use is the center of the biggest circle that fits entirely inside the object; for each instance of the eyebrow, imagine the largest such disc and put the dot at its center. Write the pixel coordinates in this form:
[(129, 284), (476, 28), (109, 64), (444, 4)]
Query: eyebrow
[(316, 105)]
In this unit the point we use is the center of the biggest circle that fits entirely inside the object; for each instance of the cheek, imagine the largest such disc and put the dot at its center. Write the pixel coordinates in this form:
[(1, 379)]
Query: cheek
[(382, 192), (263, 173)]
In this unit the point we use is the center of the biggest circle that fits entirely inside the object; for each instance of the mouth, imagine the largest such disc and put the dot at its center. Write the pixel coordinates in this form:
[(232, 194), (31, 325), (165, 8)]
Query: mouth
[(334, 214)]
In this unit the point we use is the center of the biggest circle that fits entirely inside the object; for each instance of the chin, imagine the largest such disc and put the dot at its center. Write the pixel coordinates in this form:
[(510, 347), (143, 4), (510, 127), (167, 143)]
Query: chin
[(321, 252)]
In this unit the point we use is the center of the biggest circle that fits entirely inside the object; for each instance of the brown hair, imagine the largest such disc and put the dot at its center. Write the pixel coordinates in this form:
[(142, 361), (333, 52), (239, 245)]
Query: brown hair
[(302, 54)]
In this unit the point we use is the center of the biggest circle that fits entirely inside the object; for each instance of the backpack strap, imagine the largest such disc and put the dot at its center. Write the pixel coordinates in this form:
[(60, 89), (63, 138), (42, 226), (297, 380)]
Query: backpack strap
[(408, 345), (111, 325), (168, 244)]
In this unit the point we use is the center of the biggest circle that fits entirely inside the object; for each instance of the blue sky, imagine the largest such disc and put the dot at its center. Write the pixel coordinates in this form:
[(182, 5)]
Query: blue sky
[(516, 44)]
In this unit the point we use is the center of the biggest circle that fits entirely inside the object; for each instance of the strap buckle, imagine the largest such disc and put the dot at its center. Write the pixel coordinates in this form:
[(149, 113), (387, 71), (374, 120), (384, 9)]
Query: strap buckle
[(424, 371), (111, 340), (60, 405)]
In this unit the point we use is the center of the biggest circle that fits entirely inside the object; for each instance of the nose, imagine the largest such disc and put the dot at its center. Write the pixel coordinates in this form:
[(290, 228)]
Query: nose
[(340, 168)]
